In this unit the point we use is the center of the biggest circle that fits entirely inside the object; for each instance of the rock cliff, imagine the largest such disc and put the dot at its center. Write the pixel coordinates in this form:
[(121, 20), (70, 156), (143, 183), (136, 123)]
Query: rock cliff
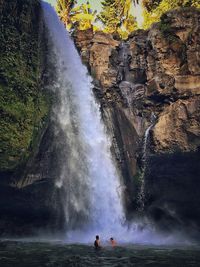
[(152, 81)]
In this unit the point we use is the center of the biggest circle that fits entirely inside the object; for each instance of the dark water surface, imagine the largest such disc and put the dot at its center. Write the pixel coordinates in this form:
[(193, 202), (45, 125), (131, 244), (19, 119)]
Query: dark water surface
[(34, 254)]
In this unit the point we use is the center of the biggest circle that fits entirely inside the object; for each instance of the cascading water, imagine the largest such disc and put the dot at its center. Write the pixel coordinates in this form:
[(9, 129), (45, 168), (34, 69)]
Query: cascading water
[(141, 199), (88, 176), (146, 136)]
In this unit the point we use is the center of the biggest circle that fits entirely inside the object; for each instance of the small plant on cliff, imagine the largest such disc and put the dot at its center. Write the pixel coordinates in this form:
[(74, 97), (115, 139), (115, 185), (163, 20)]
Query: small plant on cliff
[(167, 33), (117, 18)]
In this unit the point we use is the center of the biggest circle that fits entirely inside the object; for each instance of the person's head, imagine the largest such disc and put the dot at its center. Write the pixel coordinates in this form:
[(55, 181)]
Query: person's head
[(97, 237), (111, 239)]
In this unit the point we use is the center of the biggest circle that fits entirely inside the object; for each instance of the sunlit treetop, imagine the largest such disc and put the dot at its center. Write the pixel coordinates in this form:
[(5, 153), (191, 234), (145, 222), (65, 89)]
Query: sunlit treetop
[(63, 9), (115, 16), (74, 15)]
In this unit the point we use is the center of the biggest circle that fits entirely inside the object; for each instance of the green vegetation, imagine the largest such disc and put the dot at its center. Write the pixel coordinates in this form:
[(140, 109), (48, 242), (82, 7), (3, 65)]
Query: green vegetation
[(167, 32), (23, 105), (83, 16), (79, 16), (115, 16), (63, 9), (153, 10)]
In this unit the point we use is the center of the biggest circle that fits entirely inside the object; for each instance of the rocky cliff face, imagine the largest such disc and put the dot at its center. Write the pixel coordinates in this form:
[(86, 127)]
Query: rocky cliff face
[(153, 79)]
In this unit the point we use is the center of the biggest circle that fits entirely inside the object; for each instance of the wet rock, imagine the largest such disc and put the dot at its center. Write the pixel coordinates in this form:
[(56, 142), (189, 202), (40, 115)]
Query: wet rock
[(172, 191)]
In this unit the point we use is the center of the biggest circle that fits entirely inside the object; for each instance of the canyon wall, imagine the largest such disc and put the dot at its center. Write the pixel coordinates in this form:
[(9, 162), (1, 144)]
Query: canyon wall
[(152, 80)]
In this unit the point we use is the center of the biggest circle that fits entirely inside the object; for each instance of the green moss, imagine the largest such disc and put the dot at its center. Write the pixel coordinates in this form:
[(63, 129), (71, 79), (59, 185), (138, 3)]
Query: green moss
[(167, 32), (23, 105), (138, 179)]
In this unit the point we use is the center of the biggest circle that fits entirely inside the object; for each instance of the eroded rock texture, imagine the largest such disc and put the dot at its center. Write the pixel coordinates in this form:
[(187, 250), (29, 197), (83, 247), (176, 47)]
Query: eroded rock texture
[(153, 79)]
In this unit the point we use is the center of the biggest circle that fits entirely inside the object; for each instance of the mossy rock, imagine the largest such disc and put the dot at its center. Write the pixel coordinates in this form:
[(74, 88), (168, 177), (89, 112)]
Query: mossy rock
[(23, 104)]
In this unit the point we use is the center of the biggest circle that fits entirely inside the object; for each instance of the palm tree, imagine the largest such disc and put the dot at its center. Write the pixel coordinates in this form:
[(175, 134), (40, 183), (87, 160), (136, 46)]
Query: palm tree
[(83, 16), (63, 9), (72, 16), (116, 16)]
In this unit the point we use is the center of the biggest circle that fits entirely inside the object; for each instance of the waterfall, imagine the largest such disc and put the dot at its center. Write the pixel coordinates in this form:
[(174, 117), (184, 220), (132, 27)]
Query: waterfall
[(88, 175), (153, 119), (141, 198)]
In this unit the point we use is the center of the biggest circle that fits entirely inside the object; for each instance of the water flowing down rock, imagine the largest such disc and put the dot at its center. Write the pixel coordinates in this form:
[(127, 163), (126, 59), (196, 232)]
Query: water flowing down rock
[(88, 175)]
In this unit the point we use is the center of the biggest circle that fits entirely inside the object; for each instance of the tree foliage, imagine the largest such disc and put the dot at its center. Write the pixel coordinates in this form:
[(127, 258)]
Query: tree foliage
[(150, 4), (75, 16), (153, 10), (83, 16), (63, 9), (117, 18)]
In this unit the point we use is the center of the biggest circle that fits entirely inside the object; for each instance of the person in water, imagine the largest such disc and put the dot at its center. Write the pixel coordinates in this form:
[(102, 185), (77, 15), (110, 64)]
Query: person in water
[(97, 243), (113, 242)]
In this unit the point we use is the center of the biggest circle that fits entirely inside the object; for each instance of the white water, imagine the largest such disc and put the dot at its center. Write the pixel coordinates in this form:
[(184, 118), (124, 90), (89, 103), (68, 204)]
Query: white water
[(79, 117), (87, 173), (141, 198), (146, 138)]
